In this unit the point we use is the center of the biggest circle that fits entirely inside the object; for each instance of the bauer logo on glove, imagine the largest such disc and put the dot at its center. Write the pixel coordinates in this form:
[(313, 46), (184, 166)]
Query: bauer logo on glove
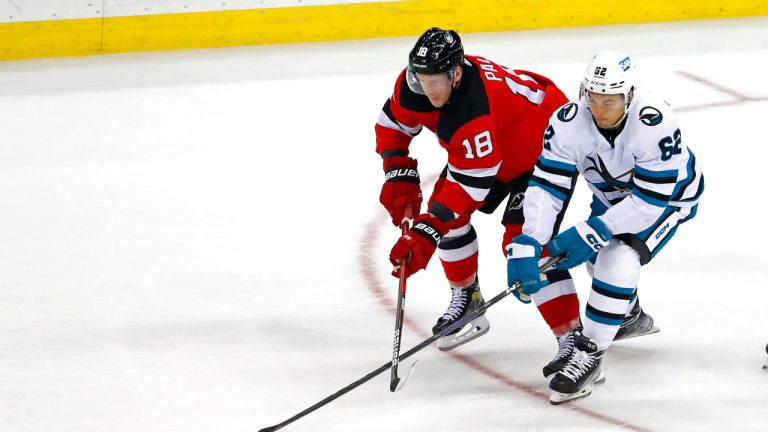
[(402, 174), (401, 193), (415, 248), (428, 230)]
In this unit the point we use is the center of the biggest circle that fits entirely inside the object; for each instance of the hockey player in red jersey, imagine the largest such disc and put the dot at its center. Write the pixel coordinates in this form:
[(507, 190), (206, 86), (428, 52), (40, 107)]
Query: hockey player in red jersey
[(490, 120)]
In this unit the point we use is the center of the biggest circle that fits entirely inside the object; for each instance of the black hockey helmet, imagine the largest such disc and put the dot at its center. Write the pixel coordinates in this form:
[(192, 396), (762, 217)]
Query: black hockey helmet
[(436, 51)]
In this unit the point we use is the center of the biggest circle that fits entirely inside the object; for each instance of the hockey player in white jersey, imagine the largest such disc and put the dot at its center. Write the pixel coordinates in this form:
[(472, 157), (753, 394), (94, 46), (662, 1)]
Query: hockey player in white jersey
[(645, 181)]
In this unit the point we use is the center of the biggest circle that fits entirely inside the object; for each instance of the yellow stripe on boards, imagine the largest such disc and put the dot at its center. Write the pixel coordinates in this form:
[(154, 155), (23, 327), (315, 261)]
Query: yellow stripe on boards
[(50, 38), (337, 22), (269, 26)]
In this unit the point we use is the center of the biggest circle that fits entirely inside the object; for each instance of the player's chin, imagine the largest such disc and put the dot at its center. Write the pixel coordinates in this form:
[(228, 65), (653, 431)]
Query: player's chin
[(437, 103)]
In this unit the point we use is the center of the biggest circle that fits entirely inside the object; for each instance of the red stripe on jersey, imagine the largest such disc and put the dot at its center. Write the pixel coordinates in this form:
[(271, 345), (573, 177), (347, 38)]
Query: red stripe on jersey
[(390, 139), (452, 196), (461, 273), (561, 313), (510, 231)]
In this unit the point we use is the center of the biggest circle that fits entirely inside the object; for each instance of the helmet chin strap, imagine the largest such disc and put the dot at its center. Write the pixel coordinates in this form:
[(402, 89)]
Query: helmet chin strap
[(629, 98), (626, 110), (451, 75)]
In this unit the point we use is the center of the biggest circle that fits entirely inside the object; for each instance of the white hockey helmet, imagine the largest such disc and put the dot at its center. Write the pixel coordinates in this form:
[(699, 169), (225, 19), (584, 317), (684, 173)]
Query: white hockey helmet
[(610, 72)]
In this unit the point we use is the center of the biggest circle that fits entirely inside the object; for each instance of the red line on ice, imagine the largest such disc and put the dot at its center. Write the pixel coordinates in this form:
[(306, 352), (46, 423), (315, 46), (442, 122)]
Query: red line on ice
[(737, 98), (384, 291), (375, 284)]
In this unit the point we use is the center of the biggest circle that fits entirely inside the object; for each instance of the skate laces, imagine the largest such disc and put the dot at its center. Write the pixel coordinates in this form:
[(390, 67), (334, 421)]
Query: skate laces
[(578, 365), (565, 345), (458, 301)]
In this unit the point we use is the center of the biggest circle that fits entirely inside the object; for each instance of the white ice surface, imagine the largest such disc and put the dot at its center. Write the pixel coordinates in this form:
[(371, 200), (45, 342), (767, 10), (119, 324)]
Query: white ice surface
[(192, 241)]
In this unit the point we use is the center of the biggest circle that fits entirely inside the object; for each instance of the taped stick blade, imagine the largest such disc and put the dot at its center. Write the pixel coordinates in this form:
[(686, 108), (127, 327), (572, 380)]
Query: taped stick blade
[(401, 381)]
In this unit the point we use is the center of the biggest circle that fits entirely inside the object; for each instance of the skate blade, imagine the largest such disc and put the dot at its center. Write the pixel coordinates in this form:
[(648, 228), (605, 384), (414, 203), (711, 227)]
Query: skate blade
[(401, 381), (557, 398), (600, 379), (476, 328), (653, 330)]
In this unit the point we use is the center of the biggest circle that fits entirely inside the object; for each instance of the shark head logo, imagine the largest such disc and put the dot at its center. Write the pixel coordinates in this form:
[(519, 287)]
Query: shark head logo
[(650, 116), (568, 112), (621, 182)]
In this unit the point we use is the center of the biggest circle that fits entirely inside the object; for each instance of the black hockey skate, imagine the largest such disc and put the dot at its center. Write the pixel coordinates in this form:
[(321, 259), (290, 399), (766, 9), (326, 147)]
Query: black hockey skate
[(765, 366), (564, 351), (638, 323), (463, 301), (576, 378)]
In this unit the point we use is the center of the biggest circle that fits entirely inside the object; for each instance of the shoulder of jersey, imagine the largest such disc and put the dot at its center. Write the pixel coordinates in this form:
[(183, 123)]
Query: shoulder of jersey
[(650, 110), (570, 114)]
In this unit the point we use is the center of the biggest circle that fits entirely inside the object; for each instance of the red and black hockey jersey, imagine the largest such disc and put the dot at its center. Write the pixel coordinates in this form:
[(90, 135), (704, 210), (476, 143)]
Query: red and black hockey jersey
[(492, 127)]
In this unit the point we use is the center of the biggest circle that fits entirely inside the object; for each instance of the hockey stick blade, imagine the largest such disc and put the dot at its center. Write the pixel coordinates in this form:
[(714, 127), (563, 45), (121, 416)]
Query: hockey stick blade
[(401, 381), (394, 384), (426, 342)]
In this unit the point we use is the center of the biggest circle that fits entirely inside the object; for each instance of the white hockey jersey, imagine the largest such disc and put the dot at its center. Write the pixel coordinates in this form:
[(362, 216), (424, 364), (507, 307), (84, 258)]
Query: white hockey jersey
[(647, 169)]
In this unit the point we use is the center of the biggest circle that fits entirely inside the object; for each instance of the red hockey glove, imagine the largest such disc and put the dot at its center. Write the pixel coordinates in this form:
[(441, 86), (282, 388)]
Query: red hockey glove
[(401, 188), (418, 244)]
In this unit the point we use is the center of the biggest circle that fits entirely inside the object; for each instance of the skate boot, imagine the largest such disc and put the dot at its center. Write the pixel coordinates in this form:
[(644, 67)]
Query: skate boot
[(463, 301), (576, 378), (564, 351), (765, 366), (638, 323)]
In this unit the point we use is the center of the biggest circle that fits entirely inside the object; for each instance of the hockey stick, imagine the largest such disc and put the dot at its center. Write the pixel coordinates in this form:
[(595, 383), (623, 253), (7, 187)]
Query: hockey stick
[(458, 324), (395, 383)]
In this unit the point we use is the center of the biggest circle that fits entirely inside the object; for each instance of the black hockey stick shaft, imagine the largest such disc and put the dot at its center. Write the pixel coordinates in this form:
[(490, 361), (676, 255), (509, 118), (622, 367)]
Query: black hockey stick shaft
[(394, 380), (458, 324)]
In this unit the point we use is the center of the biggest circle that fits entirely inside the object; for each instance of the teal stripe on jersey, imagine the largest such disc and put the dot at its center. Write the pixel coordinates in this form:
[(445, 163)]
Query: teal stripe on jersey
[(604, 187), (602, 320), (613, 288), (680, 188), (552, 191), (556, 164), (649, 200), (655, 174)]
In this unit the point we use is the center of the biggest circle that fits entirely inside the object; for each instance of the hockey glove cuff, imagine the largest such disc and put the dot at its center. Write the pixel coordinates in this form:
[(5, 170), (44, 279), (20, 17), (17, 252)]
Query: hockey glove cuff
[(416, 247), (523, 266), (580, 242), (401, 189)]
